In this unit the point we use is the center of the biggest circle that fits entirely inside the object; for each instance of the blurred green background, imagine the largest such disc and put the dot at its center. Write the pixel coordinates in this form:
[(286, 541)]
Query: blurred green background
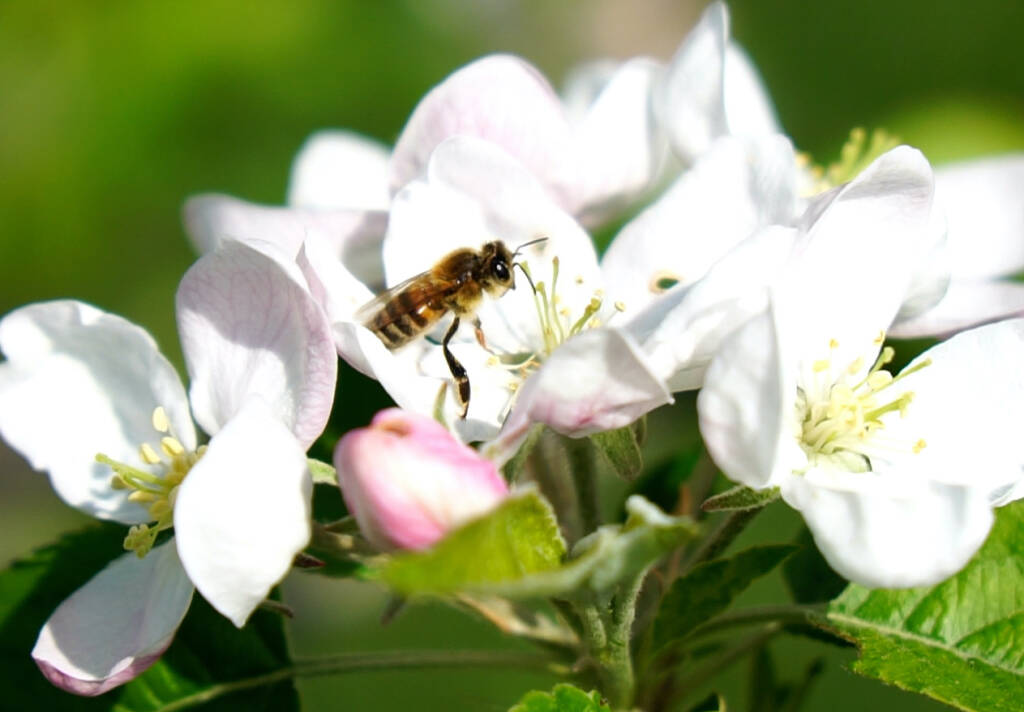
[(112, 113)]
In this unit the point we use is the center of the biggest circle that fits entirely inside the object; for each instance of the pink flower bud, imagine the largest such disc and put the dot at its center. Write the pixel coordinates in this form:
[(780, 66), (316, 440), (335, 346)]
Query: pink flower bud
[(408, 481)]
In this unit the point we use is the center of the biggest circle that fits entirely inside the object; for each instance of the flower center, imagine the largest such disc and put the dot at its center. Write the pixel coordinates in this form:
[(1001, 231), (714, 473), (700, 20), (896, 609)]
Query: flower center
[(557, 323), (839, 417), (156, 491), (855, 155)]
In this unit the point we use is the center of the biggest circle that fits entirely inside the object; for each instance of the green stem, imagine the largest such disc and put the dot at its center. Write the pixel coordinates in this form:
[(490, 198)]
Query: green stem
[(582, 457), (355, 662), (607, 636)]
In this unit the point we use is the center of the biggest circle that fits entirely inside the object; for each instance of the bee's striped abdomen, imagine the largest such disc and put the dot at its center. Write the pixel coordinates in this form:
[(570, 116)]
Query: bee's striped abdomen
[(403, 319)]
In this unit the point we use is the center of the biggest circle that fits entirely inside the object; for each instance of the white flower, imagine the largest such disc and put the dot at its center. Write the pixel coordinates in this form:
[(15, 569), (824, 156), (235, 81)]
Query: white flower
[(86, 397), (985, 246), (894, 475)]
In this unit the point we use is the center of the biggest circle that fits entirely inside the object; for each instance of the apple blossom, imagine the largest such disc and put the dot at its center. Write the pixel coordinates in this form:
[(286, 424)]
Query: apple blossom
[(87, 397), (884, 468), (408, 481)]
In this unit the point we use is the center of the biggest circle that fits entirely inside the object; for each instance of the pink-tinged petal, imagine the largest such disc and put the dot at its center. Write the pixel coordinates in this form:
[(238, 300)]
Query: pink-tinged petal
[(724, 198), (967, 303), (743, 405), (116, 625), (598, 380), (78, 382), (619, 146), (982, 200), (890, 529), (408, 481), (690, 101), (748, 109), (243, 511), (249, 327), (682, 329), (340, 169), (501, 99), (211, 219), (475, 192)]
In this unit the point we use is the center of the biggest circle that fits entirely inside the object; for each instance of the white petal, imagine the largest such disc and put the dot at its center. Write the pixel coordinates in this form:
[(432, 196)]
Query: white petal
[(501, 99), (967, 408), (931, 274), (210, 219), (982, 199), (743, 403), (967, 303), (748, 109), (595, 381), (690, 103), (475, 192), (682, 329), (77, 382), (854, 267), (880, 529), (116, 625), (708, 210), (249, 327), (340, 169), (619, 146), (242, 513)]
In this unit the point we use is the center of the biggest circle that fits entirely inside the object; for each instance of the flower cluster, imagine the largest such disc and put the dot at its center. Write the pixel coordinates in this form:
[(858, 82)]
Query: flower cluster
[(768, 286)]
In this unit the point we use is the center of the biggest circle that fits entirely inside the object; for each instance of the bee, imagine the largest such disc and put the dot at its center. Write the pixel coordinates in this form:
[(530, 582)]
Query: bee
[(456, 284)]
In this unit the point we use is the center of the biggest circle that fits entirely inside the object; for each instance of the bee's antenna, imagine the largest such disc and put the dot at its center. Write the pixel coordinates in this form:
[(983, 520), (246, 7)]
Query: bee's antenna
[(527, 244), (523, 270)]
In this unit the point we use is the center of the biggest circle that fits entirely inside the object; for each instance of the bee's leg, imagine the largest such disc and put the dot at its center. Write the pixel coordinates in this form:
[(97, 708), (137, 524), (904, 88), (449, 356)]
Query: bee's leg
[(458, 371), (480, 338)]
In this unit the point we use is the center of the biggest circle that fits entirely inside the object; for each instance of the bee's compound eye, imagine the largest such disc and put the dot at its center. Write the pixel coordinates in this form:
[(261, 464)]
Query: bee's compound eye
[(500, 271)]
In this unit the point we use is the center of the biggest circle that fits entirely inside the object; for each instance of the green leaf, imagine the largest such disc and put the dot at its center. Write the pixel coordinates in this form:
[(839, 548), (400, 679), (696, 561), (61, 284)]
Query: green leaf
[(517, 552), (709, 589), (961, 641), (207, 652), (563, 698), (621, 449), (519, 538), (740, 499), (322, 472)]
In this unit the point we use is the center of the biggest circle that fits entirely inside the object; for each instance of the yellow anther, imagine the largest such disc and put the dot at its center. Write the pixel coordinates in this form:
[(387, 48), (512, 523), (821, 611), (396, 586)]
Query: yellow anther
[(880, 338), (171, 446), (620, 306), (821, 365), (161, 423), (579, 279), (833, 344), (141, 496), (879, 379), (148, 454), (919, 446), (598, 293)]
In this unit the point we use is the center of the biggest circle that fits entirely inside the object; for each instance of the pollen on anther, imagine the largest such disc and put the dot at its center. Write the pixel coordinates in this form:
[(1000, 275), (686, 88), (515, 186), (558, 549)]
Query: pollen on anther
[(172, 446), (833, 344), (919, 446), (620, 306), (148, 454), (880, 338), (161, 423)]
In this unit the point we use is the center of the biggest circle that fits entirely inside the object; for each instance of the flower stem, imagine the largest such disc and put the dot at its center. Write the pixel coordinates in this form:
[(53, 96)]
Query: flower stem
[(355, 662), (607, 633), (583, 460)]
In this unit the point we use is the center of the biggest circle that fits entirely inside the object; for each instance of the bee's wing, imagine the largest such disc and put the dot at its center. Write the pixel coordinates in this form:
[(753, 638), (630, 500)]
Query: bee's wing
[(421, 289)]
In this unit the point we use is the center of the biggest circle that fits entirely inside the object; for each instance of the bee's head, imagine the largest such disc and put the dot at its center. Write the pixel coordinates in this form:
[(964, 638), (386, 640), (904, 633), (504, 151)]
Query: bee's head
[(496, 275)]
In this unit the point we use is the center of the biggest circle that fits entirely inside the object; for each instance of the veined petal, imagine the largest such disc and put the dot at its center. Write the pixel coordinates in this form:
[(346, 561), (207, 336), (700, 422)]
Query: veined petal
[(211, 218), (242, 514), (683, 329), (619, 146), (986, 216), (78, 382), (690, 102), (501, 99), (721, 200), (743, 405), (249, 327), (598, 380), (890, 530), (748, 109), (340, 169), (116, 625), (967, 303)]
